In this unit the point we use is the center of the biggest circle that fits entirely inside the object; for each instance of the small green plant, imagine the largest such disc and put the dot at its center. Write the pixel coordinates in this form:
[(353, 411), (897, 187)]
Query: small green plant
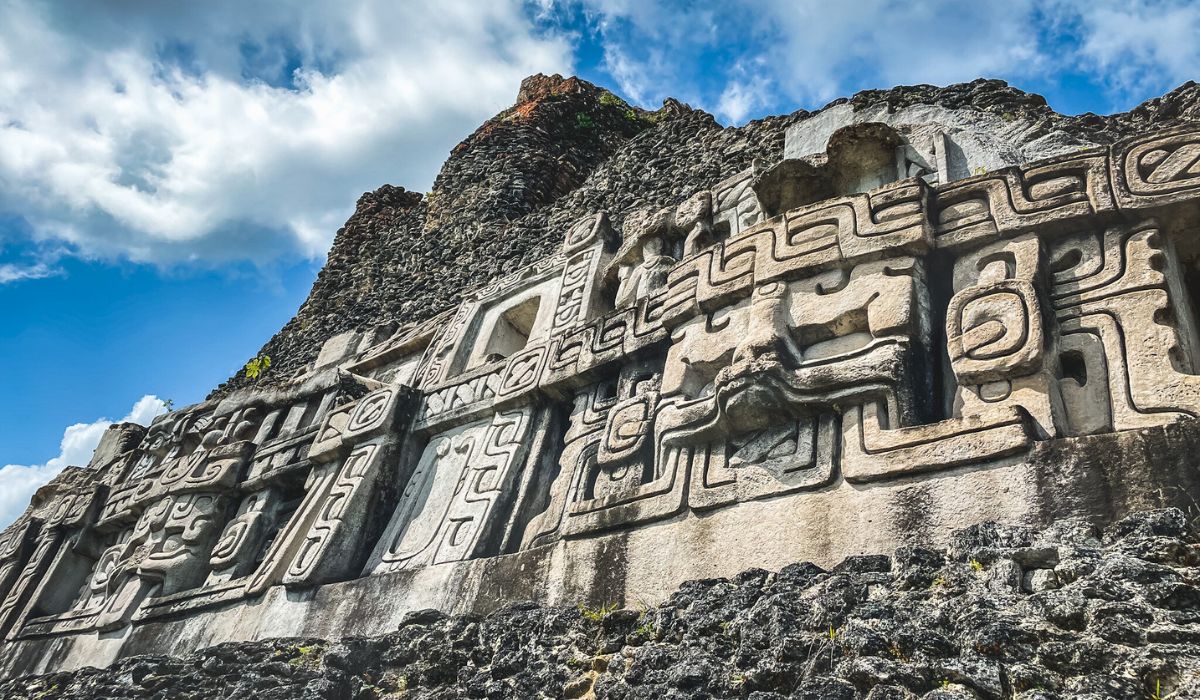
[(737, 678), (610, 100), (631, 115), (583, 121), (305, 655), (939, 581), (255, 367), (832, 635), (645, 626), (168, 404), (1157, 693), (597, 614), (389, 686), (976, 565), (945, 682), (979, 170)]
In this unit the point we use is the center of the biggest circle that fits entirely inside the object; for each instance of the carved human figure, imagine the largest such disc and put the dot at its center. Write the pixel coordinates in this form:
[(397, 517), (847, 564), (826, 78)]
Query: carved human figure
[(638, 279), (641, 264), (735, 206), (694, 217)]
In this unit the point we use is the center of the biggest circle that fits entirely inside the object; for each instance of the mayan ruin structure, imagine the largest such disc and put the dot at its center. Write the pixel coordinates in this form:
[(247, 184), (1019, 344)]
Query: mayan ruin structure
[(615, 351)]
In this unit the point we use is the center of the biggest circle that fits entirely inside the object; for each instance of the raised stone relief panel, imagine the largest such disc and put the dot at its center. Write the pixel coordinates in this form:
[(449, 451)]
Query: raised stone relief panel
[(752, 343), (457, 495)]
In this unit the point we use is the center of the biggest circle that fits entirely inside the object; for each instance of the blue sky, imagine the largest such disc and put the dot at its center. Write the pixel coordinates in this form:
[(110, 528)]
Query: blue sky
[(172, 174)]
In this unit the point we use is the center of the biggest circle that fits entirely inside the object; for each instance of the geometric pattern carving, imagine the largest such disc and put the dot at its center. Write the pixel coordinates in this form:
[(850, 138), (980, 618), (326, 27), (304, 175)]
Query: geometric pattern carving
[(371, 415), (994, 331), (719, 356), (458, 492), (792, 456), (328, 548), (1048, 195), (1120, 298), (585, 233), (871, 451), (1158, 170)]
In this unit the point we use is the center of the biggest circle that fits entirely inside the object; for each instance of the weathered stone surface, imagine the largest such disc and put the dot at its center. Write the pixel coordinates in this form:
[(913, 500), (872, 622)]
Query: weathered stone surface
[(861, 630), (531, 172), (712, 359)]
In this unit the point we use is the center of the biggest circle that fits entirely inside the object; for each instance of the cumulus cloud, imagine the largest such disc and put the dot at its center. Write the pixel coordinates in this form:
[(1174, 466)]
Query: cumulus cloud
[(1140, 42), (732, 56), (19, 482), (746, 90), (205, 132), (168, 132)]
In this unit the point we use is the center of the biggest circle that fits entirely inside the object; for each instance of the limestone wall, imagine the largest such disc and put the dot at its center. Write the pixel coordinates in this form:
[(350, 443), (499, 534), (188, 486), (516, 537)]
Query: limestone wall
[(829, 355)]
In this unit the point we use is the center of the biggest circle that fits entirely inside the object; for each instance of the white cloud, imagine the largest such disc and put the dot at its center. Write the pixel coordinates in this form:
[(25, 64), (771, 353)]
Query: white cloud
[(747, 90), (208, 131), (1139, 42), (13, 272), (738, 58), (733, 55), (19, 482), (220, 130), (937, 42)]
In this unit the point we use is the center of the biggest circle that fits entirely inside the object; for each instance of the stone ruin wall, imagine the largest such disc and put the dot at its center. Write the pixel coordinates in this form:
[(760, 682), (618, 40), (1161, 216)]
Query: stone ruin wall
[(834, 354)]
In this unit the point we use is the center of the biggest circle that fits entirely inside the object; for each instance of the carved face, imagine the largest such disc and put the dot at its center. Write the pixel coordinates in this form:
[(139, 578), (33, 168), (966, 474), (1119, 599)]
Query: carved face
[(159, 439), (180, 534), (793, 348), (652, 247)]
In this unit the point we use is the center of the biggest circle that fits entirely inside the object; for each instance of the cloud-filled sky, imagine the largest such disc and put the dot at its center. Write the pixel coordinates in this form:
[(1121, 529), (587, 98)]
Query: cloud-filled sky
[(75, 449), (172, 174)]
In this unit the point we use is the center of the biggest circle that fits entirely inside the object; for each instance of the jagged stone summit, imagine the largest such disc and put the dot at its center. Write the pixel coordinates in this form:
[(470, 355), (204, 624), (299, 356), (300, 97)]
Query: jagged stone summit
[(615, 351)]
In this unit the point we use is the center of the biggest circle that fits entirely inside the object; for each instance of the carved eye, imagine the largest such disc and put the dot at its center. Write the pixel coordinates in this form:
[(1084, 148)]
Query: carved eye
[(994, 326)]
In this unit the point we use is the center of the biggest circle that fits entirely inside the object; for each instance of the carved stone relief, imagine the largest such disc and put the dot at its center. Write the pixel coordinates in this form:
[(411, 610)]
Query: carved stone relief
[(1127, 337), (457, 493), (747, 343)]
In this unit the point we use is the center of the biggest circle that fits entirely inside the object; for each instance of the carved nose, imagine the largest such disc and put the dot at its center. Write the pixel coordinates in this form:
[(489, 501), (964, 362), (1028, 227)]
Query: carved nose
[(766, 342), (755, 348)]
